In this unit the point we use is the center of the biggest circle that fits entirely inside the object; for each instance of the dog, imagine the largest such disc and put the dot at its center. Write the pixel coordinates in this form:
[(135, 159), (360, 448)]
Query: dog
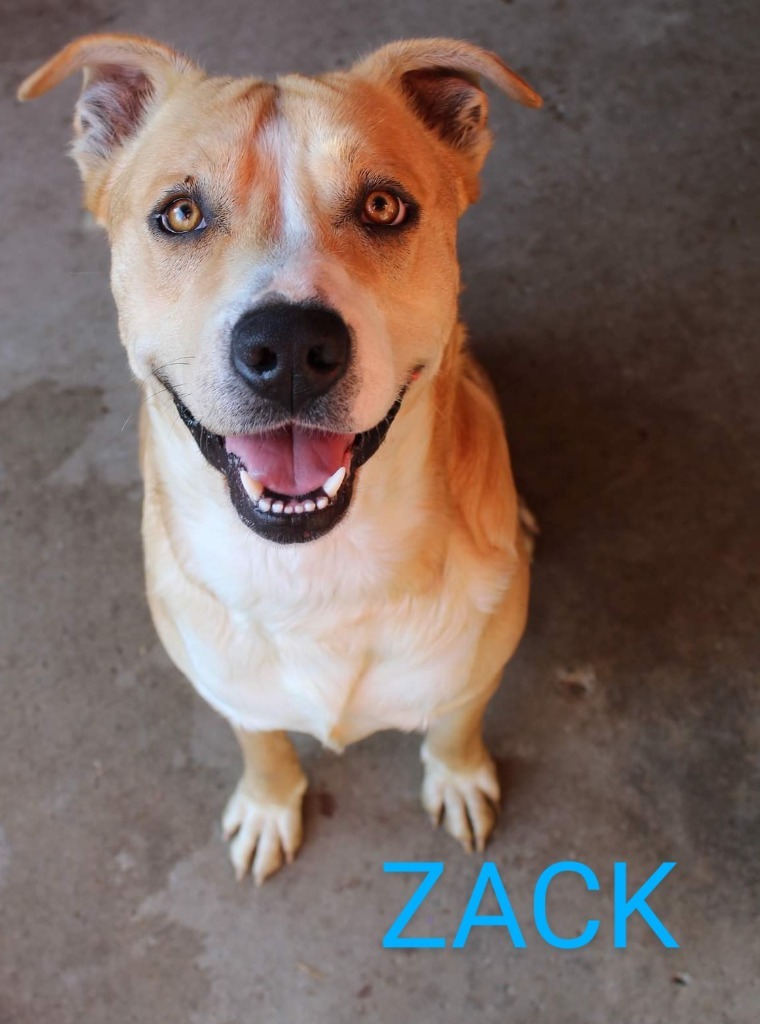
[(331, 531)]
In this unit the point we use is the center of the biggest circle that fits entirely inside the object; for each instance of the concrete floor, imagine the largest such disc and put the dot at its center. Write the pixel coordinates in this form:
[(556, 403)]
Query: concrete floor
[(612, 283)]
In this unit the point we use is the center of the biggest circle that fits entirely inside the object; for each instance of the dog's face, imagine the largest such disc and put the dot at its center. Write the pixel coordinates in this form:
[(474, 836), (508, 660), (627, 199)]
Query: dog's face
[(283, 254)]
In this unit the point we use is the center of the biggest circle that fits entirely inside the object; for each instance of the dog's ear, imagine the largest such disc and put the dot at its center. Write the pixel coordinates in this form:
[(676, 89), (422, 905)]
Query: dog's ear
[(440, 78), (125, 79)]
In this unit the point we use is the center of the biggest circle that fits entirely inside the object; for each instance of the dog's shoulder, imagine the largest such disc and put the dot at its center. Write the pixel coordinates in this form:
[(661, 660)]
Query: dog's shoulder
[(473, 447)]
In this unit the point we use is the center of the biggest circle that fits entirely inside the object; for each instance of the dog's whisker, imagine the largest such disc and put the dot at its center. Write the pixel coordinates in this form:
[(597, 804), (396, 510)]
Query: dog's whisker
[(179, 389), (181, 361)]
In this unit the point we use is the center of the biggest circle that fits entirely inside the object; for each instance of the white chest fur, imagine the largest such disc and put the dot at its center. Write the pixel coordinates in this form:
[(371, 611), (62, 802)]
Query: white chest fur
[(333, 672)]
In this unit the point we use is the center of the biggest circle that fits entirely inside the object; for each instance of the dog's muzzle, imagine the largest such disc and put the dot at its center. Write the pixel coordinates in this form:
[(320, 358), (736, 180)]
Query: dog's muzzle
[(292, 482)]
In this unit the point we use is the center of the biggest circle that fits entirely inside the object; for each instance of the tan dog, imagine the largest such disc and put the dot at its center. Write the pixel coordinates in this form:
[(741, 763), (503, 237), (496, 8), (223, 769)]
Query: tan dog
[(332, 539)]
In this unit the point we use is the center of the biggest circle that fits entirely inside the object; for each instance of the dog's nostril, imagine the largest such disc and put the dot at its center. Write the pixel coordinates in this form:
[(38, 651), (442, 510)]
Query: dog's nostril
[(321, 360), (262, 359)]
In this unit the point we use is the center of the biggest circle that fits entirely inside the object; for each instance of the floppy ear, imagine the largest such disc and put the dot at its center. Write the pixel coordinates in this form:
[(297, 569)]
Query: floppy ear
[(440, 78), (125, 79)]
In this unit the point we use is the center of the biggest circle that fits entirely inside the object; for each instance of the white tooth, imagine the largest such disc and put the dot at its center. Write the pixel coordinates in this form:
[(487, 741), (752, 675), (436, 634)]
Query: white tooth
[(323, 502), (331, 486), (265, 504), (253, 488), (299, 508), (277, 506), (309, 506), (289, 510)]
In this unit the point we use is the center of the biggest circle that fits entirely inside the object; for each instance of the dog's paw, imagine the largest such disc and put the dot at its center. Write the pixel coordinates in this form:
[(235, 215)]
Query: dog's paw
[(261, 834), (466, 800)]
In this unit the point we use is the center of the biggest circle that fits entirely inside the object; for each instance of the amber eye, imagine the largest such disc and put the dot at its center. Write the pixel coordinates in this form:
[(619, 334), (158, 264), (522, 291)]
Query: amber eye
[(180, 216), (381, 207)]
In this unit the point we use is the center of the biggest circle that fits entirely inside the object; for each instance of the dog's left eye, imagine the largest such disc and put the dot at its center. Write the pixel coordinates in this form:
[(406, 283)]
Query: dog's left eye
[(181, 216), (384, 208)]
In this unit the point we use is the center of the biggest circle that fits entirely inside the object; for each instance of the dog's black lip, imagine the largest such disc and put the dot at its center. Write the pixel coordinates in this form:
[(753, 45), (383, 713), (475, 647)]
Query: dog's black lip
[(299, 527)]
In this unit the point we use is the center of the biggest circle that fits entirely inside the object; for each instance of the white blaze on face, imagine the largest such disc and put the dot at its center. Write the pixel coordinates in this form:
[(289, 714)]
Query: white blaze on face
[(301, 272)]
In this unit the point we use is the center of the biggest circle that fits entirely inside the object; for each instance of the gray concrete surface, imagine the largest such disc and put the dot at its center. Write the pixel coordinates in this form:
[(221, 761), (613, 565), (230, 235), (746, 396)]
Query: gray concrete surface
[(612, 284)]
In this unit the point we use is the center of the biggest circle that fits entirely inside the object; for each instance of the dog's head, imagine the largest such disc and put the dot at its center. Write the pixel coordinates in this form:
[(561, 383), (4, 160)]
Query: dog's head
[(283, 254)]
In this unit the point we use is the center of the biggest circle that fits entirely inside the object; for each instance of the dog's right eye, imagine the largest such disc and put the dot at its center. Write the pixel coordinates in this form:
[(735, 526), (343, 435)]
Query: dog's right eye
[(181, 216), (383, 208)]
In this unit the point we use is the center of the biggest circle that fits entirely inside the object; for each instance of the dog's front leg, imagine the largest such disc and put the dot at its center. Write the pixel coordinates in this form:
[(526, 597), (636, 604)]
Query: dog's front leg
[(460, 783), (263, 816)]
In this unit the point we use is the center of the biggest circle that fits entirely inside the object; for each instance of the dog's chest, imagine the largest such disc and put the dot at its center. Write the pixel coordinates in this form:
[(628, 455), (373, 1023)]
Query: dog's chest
[(321, 660)]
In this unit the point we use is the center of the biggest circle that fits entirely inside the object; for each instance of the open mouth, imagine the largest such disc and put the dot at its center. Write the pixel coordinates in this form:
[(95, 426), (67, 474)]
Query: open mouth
[(292, 484)]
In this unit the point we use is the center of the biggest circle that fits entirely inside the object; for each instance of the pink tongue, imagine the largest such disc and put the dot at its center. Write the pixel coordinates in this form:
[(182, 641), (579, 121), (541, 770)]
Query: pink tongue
[(292, 460)]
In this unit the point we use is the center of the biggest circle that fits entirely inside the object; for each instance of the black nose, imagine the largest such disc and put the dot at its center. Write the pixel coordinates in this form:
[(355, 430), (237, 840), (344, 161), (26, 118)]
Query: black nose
[(290, 354)]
